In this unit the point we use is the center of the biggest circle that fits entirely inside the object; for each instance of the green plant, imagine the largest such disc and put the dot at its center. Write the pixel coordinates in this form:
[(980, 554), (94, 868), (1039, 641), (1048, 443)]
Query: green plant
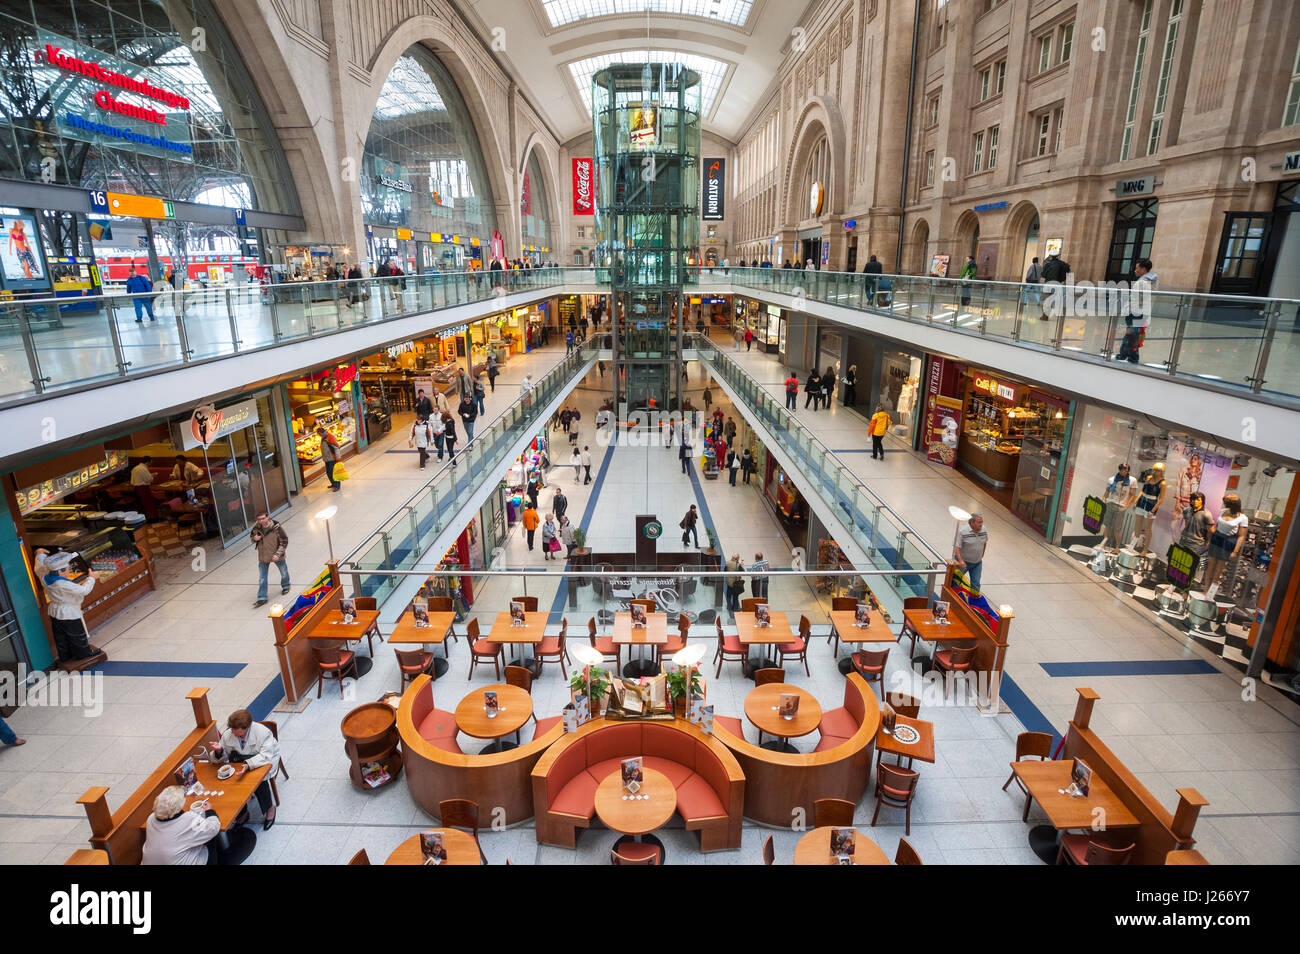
[(580, 538), (713, 539), (677, 682), (599, 680)]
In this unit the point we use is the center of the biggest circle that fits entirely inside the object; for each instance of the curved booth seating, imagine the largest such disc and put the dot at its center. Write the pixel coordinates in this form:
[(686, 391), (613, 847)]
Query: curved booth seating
[(710, 785), (436, 768), (779, 783)]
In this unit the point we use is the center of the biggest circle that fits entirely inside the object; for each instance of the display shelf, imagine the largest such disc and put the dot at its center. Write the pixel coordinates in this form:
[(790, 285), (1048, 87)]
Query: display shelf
[(370, 737)]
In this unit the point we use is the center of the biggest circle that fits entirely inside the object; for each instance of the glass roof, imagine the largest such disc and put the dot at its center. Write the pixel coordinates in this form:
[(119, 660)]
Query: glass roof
[(711, 71), (409, 89), (562, 12)]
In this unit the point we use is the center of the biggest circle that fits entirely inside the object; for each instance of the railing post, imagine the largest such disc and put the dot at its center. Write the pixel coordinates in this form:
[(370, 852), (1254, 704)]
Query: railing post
[(29, 346), (1060, 331), (234, 328), (1265, 346), (122, 363), (1020, 313), (183, 338), (1108, 348), (1180, 327), (275, 316)]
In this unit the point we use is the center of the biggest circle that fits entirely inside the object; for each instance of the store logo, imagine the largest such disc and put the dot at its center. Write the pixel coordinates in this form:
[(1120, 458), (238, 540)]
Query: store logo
[(205, 424), (583, 198), (995, 387), (714, 181), (104, 100), (653, 530)]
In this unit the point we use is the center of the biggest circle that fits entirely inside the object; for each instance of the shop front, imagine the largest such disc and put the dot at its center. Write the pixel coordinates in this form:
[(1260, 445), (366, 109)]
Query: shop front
[(899, 385), (325, 397)]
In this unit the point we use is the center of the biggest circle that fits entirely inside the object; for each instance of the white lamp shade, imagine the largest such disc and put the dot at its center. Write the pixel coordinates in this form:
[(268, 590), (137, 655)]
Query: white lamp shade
[(586, 654), (327, 513), (690, 655), (958, 514)]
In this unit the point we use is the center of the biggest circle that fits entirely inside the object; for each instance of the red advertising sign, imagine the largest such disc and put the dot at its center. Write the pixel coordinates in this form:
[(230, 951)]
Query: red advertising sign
[(942, 417), (584, 193), (526, 197)]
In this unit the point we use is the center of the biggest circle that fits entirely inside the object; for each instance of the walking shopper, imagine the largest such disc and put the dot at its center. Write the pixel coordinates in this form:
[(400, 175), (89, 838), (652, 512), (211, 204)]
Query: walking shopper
[(565, 416), (420, 438), (271, 541), (560, 503), (576, 460), (879, 424), (329, 453), (64, 597), (707, 398), (972, 541), (812, 389), (550, 543), (140, 286), (749, 338), (733, 465), (735, 583), (758, 584), (586, 463), (747, 465), (566, 536), (422, 404), (449, 436), (851, 386), (480, 392), (684, 452), (688, 526), (791, 392), (1138, 320), (568, 342), (439, 431), (468, 412), (534, 490), (574, 417), (828, 386), (493, 370)]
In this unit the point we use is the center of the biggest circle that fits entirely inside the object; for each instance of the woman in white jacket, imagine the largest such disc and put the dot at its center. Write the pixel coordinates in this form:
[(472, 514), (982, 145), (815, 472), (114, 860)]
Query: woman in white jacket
[(64, 597), (253, 744), (174, 836)]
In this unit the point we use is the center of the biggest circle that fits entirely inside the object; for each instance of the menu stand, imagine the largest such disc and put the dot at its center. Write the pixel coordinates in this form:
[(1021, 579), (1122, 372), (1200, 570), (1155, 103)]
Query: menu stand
[(370, 735)]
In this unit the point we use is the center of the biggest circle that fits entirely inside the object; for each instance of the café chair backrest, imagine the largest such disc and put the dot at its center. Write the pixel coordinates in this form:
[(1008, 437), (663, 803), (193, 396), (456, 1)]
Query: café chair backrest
[(441, 604), (906, 854), (520, 676), (530, 603), (844, 602), (904, 704), (833, 811), (764, 676), (748, 603), (1033, 745), (471, 629), (1100, 854), (360, 858), (805, 627), (769, 853), (648, 604)]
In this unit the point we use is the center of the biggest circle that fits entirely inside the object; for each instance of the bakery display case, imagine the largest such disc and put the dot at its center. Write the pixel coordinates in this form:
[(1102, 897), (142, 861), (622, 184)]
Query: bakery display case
[(121, 565)]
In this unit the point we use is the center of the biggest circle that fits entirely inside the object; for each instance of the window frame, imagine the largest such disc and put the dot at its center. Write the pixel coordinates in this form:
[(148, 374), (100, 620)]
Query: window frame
[(991, 157), (1291, 108), (977, 152)]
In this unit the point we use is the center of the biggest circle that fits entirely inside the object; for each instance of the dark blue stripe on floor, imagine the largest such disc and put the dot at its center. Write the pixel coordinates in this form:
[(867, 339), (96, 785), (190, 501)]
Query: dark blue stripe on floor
[(1131, 667), (705, 516), (562, 591), (267, 700), (1023, 709), (194, 670)]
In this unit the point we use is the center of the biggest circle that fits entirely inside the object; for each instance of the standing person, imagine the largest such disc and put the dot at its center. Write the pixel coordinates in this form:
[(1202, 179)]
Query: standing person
[(468, 412), (972, 541), (423, 406), (809, 266), (747, 465), (64, 597), (688, 526), (758, 584), (582, 326), (534, 490), (576, 460), (749, 338), (449, 437), (566, 536), (568, 341), (1121, 493), (329, 453), (441, 404), (560, 503), (254, 745), (828, 386), (439, 432), (531, 520), (271, 541), (574, 417), (140, 286), (142, 480), (699, 325), (733, 465), (707, 397), (586, 463), (600, 365), (851, 386), (735, 583), (969, 272), (684, 451), (565, 416), (493, 369), (871, 270), (1033, 278), (792, 392), (1137, 321), (550, 542), (480, 392), (877, 428), (525, 391), (812, 389), (464, 384), (421, 437)]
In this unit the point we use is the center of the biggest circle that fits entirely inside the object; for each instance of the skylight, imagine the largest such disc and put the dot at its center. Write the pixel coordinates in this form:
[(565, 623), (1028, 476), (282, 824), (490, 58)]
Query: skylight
[(711, 71), (408, 90), (562, 12)]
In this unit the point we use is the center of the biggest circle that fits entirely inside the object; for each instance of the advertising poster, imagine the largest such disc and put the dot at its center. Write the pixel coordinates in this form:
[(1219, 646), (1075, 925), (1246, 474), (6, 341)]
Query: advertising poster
[(584, 196), (1188, 469), (643, 126), (20, 252), (942, 429), (715, 181), (939, 266)]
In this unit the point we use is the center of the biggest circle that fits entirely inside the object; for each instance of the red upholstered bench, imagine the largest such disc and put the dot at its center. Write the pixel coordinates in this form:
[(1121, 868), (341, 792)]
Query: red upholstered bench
[(436, 726), (839, 725), (709, 784)]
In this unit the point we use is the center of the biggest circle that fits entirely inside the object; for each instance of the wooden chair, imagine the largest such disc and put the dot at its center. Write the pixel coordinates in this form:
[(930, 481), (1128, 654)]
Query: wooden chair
[(334, 662), (636, 853), (369, 603), (481, 650), (955, 660), (833, 811), (769, 853), (849, 603), (797, 649), (411, 663), (360, 858), (904, 704), (730, 650), (461, 813), (604, 645), (553, 649), (912, 602), (748, 603), (870, 664), (906, 854), (676, 643), (763, 676), (441, 604), (1084, 850), (280, 771), (895, 787), (522, 677), (1029, 745), (530, 602)]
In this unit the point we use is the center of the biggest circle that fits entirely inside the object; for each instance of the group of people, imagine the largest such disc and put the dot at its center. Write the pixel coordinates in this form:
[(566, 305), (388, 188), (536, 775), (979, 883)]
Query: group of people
[(735, 582)]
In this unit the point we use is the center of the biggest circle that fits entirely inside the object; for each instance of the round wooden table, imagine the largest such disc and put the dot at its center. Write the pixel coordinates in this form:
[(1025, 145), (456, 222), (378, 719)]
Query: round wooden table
[(461, 847), (814, 848), (761, 709), (515, 707), (636, 818)]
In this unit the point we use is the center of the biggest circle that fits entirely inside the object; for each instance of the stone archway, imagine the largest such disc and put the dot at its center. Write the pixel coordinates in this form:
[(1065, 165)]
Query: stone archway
[(549, 164), (916, 252), (820, 118), (965, 239), (1023, 238)]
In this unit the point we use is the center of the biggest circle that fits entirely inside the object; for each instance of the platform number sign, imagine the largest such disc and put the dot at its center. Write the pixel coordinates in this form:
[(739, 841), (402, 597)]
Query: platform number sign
[(99, 202), (240, 217), (1094, 511)]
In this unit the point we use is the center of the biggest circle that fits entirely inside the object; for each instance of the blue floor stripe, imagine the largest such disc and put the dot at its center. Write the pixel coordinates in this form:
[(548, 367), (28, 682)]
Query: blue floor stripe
[(562, 592), (704, 504), (267, 700), (188, 670), (1131, 667), (1030, 716)]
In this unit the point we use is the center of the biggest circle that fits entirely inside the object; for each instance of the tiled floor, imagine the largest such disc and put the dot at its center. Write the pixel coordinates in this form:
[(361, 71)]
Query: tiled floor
[(1171, 730)]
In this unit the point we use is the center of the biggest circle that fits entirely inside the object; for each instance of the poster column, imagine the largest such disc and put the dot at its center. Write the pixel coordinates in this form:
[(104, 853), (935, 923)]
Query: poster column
[(942, 413)]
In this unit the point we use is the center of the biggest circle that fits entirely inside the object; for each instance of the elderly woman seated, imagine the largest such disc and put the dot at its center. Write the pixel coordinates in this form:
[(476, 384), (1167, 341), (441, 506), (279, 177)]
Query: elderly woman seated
[(254, 745), (174, 836)]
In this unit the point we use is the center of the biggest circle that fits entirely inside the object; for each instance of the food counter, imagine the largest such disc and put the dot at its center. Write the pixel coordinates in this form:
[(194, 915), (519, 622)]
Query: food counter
[(119, 560), (989, 457)]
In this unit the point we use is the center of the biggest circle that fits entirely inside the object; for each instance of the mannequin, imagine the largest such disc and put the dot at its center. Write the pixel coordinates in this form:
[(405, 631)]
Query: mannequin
[(1198, 525), (1150, 496), (1121, 491), (1226, 542)]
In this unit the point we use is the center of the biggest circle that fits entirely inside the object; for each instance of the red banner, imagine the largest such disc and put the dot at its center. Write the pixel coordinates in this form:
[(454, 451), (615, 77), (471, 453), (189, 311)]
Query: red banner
[(942, 417), (584, 187)]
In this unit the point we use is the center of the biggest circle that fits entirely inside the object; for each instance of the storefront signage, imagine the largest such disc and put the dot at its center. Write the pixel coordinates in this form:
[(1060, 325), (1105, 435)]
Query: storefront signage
[(584, 201), (1143, 186), (1094, 512), (48, 491), (942, 429), (715, 179), (1291, 162), (453, 332), (394, 350), (850, 225), (991, 385), (403, 233), (1181, 566), (826, 254), (774, 310), (208, 423), (391, 175), (652, 530), (990, 206)]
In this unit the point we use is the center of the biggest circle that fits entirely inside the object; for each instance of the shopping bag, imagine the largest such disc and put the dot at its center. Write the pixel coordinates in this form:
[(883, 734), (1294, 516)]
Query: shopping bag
[(340, 472)]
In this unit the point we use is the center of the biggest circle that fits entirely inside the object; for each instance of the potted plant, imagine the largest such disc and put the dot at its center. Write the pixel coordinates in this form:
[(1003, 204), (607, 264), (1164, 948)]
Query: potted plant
[(713, 540), (598, 691), (677, 688)]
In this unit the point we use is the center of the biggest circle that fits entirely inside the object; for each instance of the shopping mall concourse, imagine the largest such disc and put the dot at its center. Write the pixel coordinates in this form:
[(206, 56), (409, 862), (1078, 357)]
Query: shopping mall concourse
[(707, 432)]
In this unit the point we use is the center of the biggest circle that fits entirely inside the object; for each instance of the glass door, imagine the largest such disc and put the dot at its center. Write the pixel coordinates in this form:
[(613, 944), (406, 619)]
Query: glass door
[(1241, 253), (1131, 237)]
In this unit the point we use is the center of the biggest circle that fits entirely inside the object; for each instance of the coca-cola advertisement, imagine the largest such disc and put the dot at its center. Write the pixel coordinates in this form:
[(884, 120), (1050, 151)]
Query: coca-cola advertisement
[(584, 190), (714, 187)]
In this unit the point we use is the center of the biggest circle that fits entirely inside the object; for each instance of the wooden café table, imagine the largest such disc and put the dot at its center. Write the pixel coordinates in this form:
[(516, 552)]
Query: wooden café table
[(654, 633), (529, 634), (461, 847), (761, 709), (236, 790), (515, 707), (636, 818), (934, 632), (814, 848), (331, 628), (751, 634), (406, 633), (1045, 782), (922, 748), (845, 629)]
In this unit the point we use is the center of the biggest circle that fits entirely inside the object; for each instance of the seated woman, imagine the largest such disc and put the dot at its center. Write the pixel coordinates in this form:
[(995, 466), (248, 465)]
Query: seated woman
[(253, 744), (174, 836)]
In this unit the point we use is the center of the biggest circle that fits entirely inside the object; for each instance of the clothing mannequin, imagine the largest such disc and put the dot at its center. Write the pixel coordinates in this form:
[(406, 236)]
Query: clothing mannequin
[(1226, 542), (1121, 491), (1198, 525), (1150, 496)]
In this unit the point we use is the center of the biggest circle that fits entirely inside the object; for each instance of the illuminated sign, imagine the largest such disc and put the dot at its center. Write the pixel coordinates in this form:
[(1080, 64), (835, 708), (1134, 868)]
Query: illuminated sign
[(715, 171), (394, 350), (48, 491), (991, 385), (207, 423)]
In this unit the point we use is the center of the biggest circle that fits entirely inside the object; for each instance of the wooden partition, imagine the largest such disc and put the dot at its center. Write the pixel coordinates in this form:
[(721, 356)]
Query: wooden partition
[(496, 780), (298, 668), (1159, 832), (780, 783), (991, 642), (121, 834)]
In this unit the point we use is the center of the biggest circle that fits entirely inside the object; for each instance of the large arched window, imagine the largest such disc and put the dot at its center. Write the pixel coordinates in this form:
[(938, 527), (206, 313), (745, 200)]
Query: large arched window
[(535, 211), (816, 173)]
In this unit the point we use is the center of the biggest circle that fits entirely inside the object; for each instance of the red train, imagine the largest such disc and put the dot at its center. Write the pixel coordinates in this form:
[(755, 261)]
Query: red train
[(113, 268)]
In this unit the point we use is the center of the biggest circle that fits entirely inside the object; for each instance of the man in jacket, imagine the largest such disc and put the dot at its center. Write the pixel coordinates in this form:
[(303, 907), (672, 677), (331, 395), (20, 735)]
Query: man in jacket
[(684, 451), (733, 465), (254, 745), (871, 270), (688, 526), (421, 437), (969, 271), (329, 454), (747, 465), (560, 504), (735, 583), (531, 520), (586, 463), (271, 541), (64, 597), (493, 370), (792, 392), (423, 406), (140, 286), (468, 414)]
